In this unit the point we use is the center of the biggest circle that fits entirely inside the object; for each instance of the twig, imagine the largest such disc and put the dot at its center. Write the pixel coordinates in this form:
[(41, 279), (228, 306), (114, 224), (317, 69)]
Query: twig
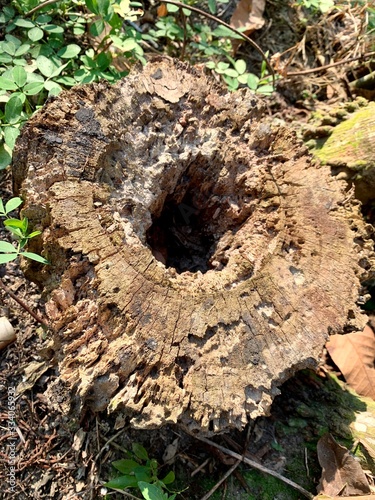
[(23, 305), (125, 493), (40, 6), (327, 66), (107, 443), (223, 23), (257, 466), (226, 475)]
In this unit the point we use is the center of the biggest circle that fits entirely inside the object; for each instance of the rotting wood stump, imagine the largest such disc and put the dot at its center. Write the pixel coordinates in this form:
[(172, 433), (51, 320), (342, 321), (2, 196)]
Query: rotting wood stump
[(198, 258)]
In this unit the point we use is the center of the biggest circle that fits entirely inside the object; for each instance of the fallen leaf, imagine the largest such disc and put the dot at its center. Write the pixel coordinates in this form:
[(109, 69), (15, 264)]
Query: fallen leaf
[(354, 354), (360, 497), (162, 10), (341, 474), (248, 16)]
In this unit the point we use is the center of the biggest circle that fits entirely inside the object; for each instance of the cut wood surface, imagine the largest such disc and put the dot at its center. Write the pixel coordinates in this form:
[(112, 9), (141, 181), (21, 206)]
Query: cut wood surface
[(198, 258)]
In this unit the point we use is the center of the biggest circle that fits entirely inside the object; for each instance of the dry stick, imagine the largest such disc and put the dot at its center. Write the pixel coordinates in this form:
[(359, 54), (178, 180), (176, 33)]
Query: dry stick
[(226, 475), (327, 66), (125, 493), (257, 466), (23, 304), (223, 23)]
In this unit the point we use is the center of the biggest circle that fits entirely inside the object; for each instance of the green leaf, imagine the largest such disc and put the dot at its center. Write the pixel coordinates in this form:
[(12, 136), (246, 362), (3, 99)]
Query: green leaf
[(139, 451), (13, 39), (9, 11), (16, 224), (231, 72), (53, 28), (22, 50), (33, 234), (35, 34), (252, 81), (223, 31), (70, 51), (126, 466), (24, 23), (103, 60), (33, 88), (122, 482), (7, 247), (5, 157), (104, 7), (9, 47), (169, 478), (243, 78), (129, 44), (10, 136), (142, 473), (8, 257), (13, 109), (212, 6), (151, 491), (173, 8), (5, 58), (43, 19), (265, 89), (12, 204), (97, 27), (19, 76), (92, 5), (34, 256), (66, 80), (222, 65), (2, 208), (7, 84), (52, 87), (45, 66), (240, 66)]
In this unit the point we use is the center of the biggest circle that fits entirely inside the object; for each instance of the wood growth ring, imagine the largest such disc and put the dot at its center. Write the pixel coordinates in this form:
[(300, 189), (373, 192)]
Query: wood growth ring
[(198, 258)]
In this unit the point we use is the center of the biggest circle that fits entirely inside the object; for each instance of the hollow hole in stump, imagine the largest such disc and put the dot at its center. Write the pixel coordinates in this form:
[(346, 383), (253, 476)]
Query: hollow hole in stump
[(180, 237)]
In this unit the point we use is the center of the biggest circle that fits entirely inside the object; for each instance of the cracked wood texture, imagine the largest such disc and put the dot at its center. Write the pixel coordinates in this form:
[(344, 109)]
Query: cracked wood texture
[(198, 257)]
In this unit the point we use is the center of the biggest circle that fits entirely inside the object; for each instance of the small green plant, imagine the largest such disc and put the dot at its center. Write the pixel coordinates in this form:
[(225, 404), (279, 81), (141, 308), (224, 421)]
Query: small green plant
[(140, 472), (38, 60), (316, 5), (20, 233), (236, 75)]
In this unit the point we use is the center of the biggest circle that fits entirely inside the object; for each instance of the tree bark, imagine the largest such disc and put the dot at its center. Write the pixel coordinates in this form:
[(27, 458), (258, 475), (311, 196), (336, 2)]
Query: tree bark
[(198, 257)]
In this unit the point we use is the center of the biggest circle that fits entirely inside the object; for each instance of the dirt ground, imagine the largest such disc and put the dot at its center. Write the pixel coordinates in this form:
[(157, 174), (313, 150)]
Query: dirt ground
[(61, 459)]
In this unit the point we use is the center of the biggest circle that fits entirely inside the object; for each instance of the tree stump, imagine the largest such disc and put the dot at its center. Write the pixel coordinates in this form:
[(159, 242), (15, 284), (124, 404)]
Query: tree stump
[(198, 258)]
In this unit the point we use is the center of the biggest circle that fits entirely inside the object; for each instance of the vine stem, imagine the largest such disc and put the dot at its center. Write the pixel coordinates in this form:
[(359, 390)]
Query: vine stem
[(40, 6), (23, 304), (235, 30)]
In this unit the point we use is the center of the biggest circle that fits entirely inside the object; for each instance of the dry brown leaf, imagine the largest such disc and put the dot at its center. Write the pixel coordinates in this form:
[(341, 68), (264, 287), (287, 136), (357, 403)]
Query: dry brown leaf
[(162, 10), (341, 474), (360, 497), (354, 354), (248, 16)]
